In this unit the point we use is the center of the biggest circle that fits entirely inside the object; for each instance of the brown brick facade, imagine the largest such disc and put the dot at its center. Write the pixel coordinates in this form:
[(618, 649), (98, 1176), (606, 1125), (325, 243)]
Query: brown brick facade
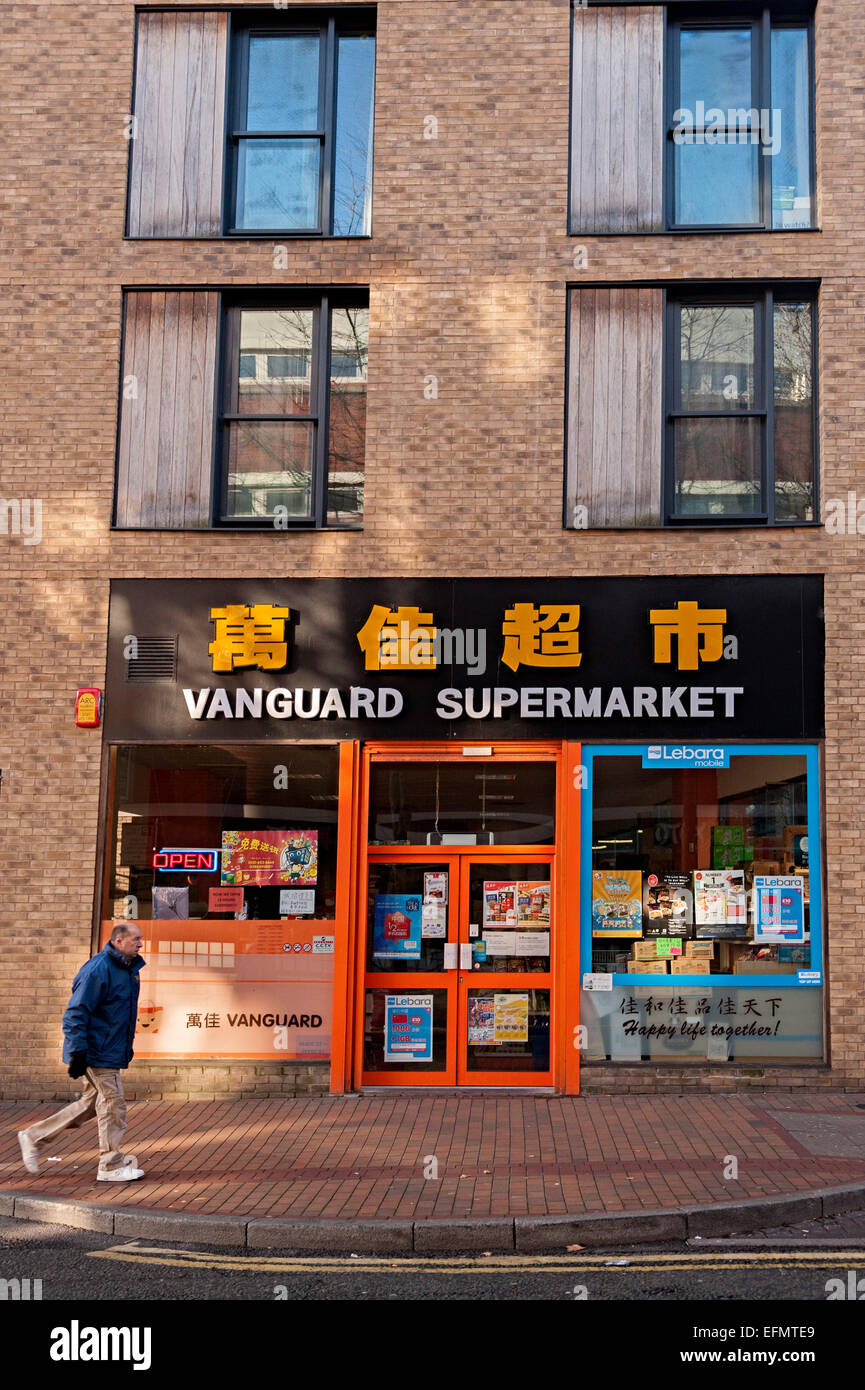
[(467, 269)]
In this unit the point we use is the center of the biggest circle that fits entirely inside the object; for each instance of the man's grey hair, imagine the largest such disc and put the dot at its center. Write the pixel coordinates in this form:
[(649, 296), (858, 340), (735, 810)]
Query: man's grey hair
[(122, 930)]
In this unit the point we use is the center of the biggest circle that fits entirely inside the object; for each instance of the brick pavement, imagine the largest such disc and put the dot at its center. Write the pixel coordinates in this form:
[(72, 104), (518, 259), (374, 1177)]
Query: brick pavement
[(497, 1155)]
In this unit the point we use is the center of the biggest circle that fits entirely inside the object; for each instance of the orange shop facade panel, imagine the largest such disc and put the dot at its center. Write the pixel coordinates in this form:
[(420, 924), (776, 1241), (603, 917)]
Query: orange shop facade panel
[(452, 832)]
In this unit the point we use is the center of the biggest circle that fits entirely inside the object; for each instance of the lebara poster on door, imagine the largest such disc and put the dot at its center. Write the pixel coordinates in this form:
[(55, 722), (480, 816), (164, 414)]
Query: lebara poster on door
[(397, 926), (284, 858), (408, 1027), (617, 902)]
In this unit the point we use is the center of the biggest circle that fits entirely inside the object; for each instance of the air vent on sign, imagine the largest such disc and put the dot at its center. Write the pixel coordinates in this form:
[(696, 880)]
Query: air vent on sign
[(155, 659)]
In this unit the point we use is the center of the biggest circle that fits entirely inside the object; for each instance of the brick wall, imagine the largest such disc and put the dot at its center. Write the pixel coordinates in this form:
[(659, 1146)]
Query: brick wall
[(467, 270)]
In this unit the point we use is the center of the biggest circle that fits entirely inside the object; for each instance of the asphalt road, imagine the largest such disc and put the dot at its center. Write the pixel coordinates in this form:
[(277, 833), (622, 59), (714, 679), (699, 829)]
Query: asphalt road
[(84, 1266)]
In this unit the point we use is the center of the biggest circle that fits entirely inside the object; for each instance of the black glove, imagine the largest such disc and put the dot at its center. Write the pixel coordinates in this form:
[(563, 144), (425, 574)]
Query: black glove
[(78, 1065)]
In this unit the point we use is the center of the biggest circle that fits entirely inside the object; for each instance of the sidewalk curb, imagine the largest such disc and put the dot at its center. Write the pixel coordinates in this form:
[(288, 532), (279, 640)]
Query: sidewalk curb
[(523, 1233)]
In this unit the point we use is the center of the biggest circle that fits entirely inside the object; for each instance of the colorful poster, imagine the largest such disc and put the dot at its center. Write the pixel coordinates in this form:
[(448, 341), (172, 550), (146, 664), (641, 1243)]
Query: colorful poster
[(500, 904), (511, 1018), (779, 912), (434, 919), (284, 858), (668, 905), (720, 902), (435, 887), (397, 926), (533, 904), (408, 1028), (481, 1019), (617, 902)]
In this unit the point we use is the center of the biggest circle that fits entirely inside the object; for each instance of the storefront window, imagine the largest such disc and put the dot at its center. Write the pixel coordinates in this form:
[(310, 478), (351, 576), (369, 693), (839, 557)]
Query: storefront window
[(697, 871), (451, 803), (217, 832)]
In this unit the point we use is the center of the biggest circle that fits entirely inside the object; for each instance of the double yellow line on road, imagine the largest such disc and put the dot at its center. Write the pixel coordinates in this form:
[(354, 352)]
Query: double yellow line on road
[(518, 1263)]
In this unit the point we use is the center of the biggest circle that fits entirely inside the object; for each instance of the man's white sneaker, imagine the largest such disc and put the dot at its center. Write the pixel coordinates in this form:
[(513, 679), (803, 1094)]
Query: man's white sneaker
[(125, 1174), (28, 1152)]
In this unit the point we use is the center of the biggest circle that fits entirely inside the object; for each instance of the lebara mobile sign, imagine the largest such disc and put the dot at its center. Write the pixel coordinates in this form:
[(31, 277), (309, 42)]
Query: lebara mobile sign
[(683, 664), (684, 755)]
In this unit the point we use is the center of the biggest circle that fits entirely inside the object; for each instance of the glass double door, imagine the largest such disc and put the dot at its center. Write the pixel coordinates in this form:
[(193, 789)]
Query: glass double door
[(458, 982)]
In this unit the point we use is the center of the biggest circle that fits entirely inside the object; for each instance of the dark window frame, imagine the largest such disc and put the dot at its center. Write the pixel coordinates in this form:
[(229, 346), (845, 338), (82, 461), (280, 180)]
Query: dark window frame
[(322, 303), (762, 20), (762, 296), (330, 26)]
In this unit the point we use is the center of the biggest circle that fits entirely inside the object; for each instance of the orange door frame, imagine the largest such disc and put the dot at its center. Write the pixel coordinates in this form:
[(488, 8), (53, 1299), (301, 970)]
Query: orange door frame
[(353, 863)]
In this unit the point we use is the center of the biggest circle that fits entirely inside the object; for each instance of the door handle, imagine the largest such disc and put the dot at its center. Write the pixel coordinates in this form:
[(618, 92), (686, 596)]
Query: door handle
[(450, 955), (465, 955)]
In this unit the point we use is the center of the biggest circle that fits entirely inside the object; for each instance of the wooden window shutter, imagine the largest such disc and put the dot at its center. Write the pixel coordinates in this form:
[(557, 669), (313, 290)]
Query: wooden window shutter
[(615, 396), (165, 451), (175, 185), (617, 115)]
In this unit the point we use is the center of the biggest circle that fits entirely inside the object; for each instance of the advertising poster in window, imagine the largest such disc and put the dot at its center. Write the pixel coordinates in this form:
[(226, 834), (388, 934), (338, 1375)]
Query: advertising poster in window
[(720, 903), (482, 1011), (533, 904), (510, 1018), (408, 1028), (435, 886), (283, 858), (211, 989), (397, 926), (668, 905), (617, 902), (779, 912), (500, 904)]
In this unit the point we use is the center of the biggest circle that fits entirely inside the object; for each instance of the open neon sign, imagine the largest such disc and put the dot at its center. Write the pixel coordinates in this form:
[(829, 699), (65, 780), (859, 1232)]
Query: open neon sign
[(187, 861)]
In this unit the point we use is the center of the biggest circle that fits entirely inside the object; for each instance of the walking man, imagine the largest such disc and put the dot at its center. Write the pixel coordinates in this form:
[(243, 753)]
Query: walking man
[(98, 1026)]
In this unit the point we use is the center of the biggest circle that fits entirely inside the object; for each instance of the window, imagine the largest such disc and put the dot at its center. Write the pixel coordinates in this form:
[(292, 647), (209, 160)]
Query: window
[(701, 897), (300, 147), (294, 412), (740, 417), (687, 119), (740, 124)]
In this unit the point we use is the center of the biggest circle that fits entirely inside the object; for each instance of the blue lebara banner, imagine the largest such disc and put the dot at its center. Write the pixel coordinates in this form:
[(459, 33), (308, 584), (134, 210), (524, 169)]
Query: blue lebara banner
[(397, 926), (408, 1028)]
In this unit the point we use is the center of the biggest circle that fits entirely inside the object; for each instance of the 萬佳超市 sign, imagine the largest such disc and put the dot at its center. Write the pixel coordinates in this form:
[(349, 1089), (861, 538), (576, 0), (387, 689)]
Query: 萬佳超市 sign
[(668, 659)]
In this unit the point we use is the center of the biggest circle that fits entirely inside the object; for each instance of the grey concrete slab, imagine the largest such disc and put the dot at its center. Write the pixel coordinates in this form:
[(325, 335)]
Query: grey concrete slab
[(492, 1233), (86, 1216), (342, 1237), (618, 1228), (191, 1228), (727, 1218), (840, 1199)]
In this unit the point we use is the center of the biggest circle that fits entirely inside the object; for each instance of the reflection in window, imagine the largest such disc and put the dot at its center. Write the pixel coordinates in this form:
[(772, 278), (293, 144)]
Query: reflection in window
[(740, 133), (303, 163), (431, 803), (674, 859), (739, 448), (190, 796)]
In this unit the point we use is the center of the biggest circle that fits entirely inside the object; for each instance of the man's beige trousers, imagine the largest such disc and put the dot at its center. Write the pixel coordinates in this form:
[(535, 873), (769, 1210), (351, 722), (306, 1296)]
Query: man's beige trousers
[(102, 1097)]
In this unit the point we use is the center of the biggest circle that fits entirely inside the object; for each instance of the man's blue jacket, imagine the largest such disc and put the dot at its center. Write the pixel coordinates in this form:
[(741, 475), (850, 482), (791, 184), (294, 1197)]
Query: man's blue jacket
[(100, 1017)]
